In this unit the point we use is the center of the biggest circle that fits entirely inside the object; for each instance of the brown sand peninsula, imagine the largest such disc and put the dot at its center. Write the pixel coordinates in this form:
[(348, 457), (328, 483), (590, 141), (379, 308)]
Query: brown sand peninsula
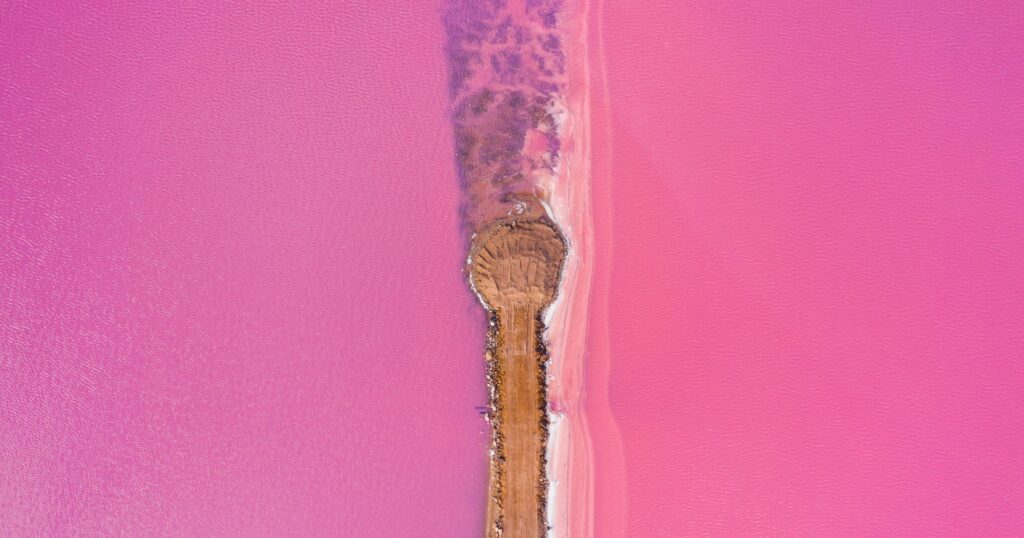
[(515, 268)]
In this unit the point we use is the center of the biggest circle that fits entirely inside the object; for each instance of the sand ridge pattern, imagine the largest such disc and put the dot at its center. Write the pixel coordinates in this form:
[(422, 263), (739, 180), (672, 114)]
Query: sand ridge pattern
[(515, 268)]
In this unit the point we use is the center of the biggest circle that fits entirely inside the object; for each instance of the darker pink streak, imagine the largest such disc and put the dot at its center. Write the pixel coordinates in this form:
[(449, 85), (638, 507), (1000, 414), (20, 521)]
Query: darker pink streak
[(813, 268), (230, 284)]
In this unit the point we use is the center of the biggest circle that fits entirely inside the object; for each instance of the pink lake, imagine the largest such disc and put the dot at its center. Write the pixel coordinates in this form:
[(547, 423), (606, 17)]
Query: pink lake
[(807, 308), (230, 275), (232, 298)]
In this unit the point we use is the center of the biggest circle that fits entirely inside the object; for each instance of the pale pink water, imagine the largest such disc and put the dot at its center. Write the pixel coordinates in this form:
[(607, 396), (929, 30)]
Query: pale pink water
[(230, 275), (810, 269)]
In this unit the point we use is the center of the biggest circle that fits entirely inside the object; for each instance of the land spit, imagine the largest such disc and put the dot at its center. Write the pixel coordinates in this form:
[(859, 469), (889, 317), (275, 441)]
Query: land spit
[(515, 267)]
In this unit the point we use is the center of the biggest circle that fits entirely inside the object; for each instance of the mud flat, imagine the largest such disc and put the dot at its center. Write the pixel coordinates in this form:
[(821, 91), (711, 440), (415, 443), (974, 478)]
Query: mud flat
[(515, 267)]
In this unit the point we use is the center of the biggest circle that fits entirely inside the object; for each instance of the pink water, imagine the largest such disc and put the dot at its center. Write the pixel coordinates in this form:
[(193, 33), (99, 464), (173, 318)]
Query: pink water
[(231, 294), (230, 275), (808, 295)]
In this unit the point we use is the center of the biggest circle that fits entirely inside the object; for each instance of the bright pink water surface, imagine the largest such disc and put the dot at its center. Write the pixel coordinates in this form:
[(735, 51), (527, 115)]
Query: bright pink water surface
[(230, 284), (810, 230)]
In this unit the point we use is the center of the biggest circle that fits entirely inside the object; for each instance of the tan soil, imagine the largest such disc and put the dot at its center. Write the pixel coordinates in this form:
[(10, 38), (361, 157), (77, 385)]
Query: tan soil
[(515, 268)]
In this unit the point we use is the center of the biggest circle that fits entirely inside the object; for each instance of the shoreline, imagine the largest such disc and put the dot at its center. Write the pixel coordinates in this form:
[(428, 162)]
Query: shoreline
[(570, 466), (578, 322)]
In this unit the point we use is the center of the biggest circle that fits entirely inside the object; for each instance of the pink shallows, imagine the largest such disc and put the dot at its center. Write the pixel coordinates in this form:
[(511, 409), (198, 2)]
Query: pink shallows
[(810, 234), (230, 284)]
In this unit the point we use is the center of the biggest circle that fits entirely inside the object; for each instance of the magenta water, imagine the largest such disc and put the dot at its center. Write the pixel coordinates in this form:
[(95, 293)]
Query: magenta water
[(230, 275)]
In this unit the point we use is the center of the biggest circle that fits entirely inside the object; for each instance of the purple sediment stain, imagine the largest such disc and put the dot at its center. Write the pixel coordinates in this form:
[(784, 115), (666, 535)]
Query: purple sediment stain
[(507, 70)]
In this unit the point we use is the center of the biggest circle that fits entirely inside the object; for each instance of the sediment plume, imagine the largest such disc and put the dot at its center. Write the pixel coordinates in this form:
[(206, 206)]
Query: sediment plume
[(506, 76), (515, 267)]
